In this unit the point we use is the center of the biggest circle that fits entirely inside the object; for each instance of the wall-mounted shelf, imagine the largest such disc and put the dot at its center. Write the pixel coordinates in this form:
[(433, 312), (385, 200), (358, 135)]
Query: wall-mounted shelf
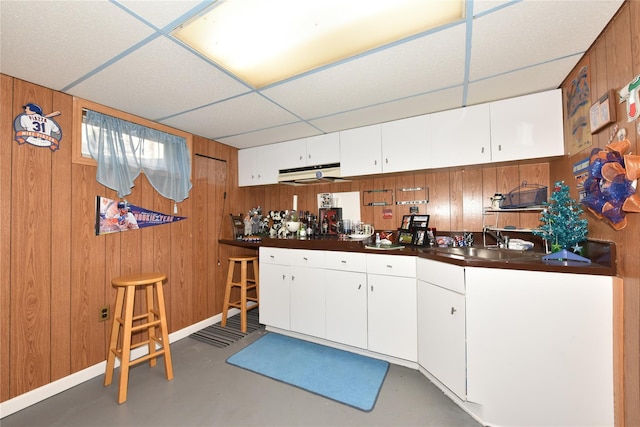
[(382, 197), (412, 196)]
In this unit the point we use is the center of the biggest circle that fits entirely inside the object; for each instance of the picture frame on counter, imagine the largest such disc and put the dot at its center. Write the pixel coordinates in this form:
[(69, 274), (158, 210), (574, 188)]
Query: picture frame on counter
[(405, 237), (420, 222), (420, 237), (406, 222)]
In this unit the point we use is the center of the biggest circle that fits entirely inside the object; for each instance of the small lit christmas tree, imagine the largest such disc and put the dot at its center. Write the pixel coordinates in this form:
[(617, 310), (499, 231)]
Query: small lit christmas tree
[(562, 226)]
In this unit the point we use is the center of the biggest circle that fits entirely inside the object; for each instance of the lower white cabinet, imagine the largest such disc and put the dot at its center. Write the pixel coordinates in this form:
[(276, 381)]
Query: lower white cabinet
[(442, 349), (307, 299), (392, 306), (275, 280), (346, 304), (540, 347)]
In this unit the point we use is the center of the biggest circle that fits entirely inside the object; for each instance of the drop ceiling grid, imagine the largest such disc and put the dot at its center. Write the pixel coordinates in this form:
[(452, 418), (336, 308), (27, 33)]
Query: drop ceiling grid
[(69, 42), (163, 15), (162, 79), (417, 66), (230, 118)]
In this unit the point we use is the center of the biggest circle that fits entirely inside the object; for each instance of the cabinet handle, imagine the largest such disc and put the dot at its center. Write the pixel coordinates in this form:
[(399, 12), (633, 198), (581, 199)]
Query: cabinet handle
[(453, 310), (271, 256), (284, 277), (309, 155), (293, 278), (375, 162), (359, 286), (482, 151), (343, 261), (305, 258), (389, 266), (300, 158), (499, 147), (371, 288), (386, 161)]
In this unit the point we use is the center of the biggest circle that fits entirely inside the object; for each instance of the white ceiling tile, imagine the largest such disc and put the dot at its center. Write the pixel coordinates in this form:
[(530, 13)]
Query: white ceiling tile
[(514, 38), (271, 135), (53, 43), (410, 68), (408, 107), (224, 119), (540, 78), (162, 78)]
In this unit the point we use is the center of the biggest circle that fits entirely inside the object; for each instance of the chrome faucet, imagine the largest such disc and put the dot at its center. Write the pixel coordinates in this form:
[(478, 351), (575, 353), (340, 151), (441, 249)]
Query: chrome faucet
[(502, 241)]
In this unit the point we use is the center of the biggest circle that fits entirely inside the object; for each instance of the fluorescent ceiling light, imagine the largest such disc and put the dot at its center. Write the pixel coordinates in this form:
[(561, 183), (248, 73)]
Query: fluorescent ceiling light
[(266, 41)]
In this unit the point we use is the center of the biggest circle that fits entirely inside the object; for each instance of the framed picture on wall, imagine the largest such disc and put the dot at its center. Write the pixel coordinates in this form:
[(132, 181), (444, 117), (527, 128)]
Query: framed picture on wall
[(406, 222), (329, 219)]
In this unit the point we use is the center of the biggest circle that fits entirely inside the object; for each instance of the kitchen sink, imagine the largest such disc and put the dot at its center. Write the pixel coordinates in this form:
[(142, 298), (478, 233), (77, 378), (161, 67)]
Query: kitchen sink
[(485, 253)]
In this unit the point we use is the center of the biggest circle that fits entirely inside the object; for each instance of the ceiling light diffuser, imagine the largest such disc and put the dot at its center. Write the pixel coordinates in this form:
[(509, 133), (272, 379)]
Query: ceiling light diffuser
[(266, 41)]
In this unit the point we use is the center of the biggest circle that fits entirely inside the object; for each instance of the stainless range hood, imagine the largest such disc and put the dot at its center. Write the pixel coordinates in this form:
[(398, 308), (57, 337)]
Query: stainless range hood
[(310, 175)]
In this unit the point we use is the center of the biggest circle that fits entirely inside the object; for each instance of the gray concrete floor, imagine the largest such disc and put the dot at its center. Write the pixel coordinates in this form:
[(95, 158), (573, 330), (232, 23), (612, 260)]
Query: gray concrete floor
[(206, 391)]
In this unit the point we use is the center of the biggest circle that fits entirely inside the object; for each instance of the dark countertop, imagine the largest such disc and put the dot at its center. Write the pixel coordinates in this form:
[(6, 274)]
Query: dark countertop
[(602, 255)]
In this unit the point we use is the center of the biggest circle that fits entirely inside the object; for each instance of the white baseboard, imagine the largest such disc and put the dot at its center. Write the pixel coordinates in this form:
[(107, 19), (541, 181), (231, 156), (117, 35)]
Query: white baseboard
[(32, 397)]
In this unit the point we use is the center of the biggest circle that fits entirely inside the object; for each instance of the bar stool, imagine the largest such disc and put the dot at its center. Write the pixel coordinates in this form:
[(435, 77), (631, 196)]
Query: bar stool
[(245, 284), (154, 317)]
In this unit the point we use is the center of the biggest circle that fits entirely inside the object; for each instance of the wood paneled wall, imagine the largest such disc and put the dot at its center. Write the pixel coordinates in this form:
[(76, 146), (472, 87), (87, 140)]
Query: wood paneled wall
[(55, 274), (456, 196), (613, 61)]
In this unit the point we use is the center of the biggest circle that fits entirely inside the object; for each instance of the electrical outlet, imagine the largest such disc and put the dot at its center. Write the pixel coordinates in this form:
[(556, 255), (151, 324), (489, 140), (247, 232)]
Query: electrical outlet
[(104, 313)]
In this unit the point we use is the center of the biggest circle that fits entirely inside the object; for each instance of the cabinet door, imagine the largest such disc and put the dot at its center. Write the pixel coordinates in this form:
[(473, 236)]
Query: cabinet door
[(307, 304), (392, 315), (406, 144), (545, 335), (360, 151), (258, 165), (442, 336), (247, 167), (293, 154), (527, 127), (274, 295), (346, 305), (461, 136), (323, 149)]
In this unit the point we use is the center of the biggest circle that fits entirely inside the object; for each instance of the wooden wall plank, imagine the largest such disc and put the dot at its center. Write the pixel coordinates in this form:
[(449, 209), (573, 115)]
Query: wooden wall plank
[(456, 199), (6, 187), (31, 254), (61, 243), (472, 199)]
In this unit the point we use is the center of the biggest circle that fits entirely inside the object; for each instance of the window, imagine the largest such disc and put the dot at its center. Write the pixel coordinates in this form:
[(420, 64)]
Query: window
[(122, 146)]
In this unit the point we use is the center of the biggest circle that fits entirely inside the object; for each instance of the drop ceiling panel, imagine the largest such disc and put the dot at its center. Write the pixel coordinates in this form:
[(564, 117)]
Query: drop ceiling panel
[(160, 13), (239, 115), (54, 43), (408, 107), (514, 38), (162, 79), (540, 78), (268, 136), (417, 66)]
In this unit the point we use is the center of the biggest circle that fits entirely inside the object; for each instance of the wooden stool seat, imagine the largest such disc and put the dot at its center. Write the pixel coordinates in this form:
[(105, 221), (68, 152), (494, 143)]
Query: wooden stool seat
[(154, 317), (245, 284)]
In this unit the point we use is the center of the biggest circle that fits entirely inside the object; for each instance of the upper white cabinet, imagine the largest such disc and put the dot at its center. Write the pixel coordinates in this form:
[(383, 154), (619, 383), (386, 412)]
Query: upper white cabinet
[(527, 127), (311, 151), (360, 151), (258, 165), (406, 144), (461, 136), (323, 149)]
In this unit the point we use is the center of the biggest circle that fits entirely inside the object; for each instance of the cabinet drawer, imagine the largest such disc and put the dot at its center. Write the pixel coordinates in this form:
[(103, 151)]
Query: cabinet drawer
[(346, 261), (274, 256), (391, 265), (445, 275), (307, 258)]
